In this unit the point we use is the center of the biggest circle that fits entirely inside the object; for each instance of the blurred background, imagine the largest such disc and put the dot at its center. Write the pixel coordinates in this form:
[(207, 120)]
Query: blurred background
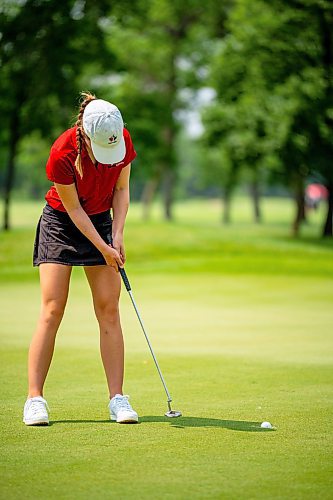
[(225, 100)]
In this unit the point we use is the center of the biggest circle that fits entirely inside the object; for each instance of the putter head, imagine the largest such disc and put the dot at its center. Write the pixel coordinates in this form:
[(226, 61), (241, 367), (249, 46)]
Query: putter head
[(173, 414)]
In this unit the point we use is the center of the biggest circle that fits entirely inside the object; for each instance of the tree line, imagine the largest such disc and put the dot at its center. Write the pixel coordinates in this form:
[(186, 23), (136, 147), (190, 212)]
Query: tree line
[(268, 66)]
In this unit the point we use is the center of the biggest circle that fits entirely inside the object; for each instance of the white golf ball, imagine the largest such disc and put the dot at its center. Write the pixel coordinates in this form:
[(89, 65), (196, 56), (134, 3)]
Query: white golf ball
[(266, 425)]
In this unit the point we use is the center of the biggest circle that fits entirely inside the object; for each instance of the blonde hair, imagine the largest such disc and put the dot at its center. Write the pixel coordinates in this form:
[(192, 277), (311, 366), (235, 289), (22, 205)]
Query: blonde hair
[(86, 98)]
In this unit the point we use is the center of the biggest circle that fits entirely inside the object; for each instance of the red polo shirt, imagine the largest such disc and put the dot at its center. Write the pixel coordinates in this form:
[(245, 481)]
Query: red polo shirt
[(95, 189)]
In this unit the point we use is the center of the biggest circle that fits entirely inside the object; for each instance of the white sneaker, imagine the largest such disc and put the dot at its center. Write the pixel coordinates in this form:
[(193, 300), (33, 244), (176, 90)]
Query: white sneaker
[(121, 410), (35, 411)]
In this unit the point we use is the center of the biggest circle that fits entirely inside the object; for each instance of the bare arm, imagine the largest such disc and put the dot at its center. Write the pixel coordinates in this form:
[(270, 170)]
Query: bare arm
[(120, 205), (71, 202)]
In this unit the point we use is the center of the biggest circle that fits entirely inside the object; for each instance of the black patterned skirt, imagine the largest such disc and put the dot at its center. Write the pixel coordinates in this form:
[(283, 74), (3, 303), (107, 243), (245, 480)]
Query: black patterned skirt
[(58, 240)]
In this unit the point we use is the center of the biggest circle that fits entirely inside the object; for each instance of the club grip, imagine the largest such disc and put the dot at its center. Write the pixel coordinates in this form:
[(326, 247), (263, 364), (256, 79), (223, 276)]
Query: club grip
[(125, 279)]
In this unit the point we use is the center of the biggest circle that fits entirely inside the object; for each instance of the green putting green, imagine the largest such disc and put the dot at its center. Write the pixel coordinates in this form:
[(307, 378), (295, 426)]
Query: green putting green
[(240, 319)]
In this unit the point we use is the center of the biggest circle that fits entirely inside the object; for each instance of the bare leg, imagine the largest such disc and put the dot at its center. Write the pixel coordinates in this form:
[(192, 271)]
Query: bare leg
[(104, 282), (54, 282)]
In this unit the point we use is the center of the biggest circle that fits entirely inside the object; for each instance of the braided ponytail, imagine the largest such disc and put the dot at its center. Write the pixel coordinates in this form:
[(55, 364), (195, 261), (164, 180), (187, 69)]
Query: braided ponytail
[(86, 98)]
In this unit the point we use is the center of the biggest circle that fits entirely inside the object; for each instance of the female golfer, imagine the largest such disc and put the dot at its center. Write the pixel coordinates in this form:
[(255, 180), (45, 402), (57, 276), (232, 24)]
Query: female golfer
[(89, 166)]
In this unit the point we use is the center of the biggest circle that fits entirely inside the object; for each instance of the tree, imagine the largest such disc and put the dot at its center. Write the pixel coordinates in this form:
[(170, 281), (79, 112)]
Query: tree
[(43, 48), (157, 42), (276, 63)]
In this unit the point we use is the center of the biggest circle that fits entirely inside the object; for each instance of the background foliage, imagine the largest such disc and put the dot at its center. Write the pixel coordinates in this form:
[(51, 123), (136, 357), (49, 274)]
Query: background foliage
[(219, 97)]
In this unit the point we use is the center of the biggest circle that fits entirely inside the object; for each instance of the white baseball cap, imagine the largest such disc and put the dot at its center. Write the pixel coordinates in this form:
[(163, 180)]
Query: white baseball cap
[(103, 124)]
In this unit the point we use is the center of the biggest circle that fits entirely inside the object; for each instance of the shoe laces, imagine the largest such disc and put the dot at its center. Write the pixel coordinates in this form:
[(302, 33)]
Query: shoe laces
[(122, 402), (37, 405)]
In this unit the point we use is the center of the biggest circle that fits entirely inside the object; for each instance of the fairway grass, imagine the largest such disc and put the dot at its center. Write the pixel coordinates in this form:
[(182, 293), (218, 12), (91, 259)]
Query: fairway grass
[(242, 334)]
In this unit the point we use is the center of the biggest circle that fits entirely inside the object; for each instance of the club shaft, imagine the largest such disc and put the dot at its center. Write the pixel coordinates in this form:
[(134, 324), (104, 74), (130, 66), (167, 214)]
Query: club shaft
[(151, 349)]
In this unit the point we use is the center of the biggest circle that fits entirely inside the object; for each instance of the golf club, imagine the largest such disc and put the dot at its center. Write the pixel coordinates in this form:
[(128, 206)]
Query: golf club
[(171, 413)]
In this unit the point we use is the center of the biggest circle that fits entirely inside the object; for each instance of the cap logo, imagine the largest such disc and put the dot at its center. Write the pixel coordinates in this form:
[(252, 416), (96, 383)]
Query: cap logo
[(112, 139)]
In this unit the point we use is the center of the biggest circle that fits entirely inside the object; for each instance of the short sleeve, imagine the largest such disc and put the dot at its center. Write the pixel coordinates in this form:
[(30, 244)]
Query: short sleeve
[(59, 168), (130, 151)]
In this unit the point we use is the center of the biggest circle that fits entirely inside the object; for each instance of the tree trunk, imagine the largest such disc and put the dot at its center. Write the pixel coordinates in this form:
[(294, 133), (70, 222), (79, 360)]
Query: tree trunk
[(328, 226), (168, 185), (255, 195), (300, 206), (168, 167), (147, 197), (327, 52), (169, 131), (228, 189), (226, 206), (9, 180)]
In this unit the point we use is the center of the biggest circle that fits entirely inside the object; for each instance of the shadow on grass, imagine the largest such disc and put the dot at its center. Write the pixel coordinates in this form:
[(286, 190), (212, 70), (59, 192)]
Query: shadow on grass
[(182, 422), (318, 241)]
